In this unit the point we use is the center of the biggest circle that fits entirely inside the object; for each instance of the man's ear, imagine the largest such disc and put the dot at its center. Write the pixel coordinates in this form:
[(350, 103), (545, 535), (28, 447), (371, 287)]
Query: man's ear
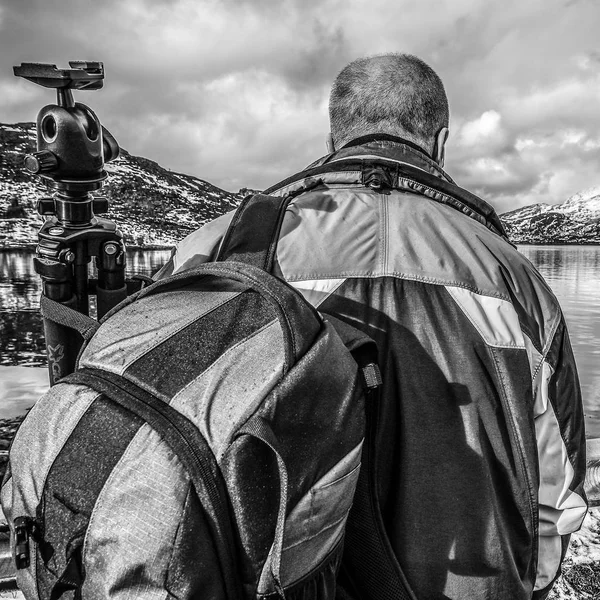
[(329, 143), (439, 147)]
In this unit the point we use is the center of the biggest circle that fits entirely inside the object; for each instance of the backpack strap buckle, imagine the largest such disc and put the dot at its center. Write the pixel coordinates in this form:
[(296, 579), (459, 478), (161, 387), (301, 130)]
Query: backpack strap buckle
[(24, 527), (378, 177)]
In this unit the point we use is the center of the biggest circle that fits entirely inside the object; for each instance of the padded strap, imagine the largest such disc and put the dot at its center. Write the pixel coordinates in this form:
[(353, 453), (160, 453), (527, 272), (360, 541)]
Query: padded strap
[(370, 569), (254, 231), (68, 317), (186, 441), (260, 429)]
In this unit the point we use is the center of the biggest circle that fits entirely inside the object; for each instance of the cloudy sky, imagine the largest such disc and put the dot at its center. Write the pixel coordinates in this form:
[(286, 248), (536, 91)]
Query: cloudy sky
[(235, 91)]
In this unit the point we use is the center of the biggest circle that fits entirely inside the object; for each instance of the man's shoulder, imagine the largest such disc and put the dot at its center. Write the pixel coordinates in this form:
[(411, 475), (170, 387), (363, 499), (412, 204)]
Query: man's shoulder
[(198, 247), (354, 232)]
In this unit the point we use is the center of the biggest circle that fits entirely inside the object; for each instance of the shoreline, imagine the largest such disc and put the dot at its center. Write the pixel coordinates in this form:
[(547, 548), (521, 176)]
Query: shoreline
[(32, 246)]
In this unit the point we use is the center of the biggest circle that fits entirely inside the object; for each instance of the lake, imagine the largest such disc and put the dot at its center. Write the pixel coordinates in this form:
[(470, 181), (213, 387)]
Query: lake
[(23, 376), (573, 273)]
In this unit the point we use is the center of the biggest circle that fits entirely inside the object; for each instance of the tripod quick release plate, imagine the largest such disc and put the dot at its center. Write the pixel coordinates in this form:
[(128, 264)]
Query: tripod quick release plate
[(83, 75)]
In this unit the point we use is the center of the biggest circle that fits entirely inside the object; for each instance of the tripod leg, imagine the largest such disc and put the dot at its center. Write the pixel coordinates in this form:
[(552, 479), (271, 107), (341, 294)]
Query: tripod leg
[(80, 277), (111, 288), (62, 343)]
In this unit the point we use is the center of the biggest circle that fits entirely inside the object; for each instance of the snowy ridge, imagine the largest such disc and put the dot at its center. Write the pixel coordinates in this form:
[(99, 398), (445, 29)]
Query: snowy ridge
[(575, 221), (152, 206), (155, 207)]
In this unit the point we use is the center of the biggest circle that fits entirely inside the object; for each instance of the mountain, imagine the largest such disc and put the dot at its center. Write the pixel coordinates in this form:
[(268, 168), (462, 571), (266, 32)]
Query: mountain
[(155, 207), (575, 221), (152, 206)]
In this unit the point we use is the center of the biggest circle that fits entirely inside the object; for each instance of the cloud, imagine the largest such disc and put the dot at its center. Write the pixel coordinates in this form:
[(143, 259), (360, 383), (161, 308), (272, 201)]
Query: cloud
[(235, 91), (258, 136), (16, 92), (538, 144), (485, 134)]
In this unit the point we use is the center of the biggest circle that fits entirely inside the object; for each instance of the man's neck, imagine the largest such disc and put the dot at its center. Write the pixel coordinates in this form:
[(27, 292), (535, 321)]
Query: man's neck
[(384, 137)]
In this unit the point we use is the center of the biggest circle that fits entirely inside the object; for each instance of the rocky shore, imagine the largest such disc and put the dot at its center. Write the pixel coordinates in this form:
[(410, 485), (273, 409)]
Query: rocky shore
[(8, 428), (581, 570)]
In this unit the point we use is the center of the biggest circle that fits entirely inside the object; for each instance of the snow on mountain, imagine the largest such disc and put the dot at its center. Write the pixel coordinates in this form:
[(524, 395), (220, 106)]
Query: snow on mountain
[(587, 200), (152, 206), (575, 221)]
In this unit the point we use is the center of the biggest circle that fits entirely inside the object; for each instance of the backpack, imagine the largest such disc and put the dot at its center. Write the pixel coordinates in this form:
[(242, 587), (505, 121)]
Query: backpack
[(208, 444)]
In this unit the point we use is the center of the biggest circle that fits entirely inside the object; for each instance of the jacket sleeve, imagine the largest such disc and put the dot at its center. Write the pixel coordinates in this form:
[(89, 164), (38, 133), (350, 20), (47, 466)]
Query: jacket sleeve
[(560, 433), (197, 248)]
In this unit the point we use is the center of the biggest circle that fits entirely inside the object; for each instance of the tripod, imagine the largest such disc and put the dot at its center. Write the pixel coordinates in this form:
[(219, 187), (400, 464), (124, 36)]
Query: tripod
[(72, 147)]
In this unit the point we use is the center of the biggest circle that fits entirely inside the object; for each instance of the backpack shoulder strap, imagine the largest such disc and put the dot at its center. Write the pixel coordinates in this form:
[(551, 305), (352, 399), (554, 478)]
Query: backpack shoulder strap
[(192, 449), (370, 569), (397, 175), (254, 231)]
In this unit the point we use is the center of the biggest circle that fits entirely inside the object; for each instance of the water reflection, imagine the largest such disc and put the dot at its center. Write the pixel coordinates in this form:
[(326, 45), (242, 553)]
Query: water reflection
[(21, 338), (21, 329), (19, 284)]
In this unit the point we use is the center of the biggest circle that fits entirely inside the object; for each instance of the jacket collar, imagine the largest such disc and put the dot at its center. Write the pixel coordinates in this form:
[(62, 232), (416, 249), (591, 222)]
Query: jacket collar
[(383, 145)]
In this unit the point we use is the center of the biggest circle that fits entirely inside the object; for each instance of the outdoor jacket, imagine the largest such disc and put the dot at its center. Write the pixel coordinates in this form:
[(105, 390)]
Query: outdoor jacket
[(482, 446)]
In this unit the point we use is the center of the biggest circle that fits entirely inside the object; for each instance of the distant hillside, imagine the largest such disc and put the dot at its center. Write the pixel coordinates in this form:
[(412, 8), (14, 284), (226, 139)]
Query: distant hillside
[(151, 205), (575, 221)]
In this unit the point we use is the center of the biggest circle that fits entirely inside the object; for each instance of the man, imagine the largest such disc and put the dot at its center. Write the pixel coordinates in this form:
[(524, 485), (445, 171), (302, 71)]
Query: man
[(482, 443)]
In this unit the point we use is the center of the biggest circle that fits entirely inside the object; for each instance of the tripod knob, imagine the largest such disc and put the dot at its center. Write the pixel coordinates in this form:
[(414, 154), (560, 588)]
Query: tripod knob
[(45, 206), (41, 162), (99, 205)]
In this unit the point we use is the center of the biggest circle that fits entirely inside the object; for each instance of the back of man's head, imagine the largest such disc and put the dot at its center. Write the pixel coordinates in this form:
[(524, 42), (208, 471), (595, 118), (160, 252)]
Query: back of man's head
[(397, 94)]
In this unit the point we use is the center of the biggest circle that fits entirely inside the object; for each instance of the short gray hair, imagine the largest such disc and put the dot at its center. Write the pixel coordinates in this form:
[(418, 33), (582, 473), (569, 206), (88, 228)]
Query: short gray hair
[(397, 94)]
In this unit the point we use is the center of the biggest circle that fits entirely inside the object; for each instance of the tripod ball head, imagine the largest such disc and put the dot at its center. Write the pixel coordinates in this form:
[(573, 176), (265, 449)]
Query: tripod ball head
[(72, 145)]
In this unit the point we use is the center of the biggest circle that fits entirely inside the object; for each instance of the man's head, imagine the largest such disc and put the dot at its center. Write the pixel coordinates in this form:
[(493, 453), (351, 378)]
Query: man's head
[(397, 94)]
